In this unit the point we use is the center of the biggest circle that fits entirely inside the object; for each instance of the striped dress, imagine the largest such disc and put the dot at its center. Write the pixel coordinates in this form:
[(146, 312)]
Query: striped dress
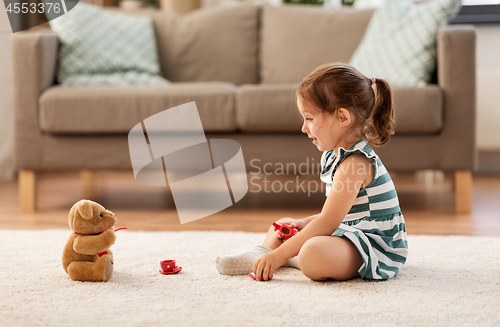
[(374, 223)]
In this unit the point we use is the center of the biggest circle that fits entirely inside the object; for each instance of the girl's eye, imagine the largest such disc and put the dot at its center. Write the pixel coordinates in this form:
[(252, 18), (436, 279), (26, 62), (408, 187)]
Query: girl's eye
[(100, 214), (310, 119)]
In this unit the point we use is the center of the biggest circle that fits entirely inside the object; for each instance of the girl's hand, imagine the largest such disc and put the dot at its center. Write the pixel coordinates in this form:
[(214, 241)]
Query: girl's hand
[(265, 266), (299, 224)]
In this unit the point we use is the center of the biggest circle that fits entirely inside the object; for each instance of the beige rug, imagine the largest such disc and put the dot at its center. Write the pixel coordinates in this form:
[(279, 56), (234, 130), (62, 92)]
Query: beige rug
[(446, 281)]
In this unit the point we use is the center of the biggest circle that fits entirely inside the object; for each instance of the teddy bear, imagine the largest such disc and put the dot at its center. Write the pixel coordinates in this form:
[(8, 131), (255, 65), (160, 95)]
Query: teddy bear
[(86, 256)]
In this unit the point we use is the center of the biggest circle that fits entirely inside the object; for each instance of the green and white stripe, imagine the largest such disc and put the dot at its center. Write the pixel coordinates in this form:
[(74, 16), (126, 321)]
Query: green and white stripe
[(374, 224)]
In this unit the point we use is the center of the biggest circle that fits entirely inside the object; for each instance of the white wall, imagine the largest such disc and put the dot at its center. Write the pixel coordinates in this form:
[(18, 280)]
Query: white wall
[(6, 118), (488, 86)]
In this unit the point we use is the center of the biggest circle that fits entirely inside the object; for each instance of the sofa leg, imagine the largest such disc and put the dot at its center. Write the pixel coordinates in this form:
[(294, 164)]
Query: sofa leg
[(27, 191), (463, 191), (87, 178)]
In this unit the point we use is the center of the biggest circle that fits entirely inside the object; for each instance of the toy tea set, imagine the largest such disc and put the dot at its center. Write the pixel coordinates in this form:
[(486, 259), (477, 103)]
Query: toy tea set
[(86, 255)]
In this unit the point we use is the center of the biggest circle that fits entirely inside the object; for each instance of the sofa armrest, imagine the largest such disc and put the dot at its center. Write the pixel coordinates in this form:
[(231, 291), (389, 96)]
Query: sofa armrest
[(50, 46), (34, 57), (456, 64)]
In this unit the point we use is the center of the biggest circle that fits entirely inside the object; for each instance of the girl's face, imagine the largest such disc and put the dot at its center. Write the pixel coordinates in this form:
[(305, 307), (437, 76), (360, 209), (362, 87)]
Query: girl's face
[(324, 128)]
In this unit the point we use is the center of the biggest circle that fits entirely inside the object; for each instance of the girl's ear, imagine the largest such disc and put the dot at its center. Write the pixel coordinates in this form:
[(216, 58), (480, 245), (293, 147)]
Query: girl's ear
[(344, 116)]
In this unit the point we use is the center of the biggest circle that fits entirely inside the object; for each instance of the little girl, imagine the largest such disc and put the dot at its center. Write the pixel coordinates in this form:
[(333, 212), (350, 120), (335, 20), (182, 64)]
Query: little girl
[(360, 231)]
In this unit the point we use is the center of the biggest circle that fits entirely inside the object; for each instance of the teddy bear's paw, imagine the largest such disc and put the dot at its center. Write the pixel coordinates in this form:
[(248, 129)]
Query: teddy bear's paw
[(85, 271), (109, 269)]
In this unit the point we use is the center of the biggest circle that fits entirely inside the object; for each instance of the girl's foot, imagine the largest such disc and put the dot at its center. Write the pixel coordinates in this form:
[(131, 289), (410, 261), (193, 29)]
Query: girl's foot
[(241, 263)]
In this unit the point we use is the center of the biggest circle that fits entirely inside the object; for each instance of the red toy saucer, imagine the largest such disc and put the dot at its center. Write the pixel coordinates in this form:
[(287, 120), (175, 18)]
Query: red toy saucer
[(175, 271), (254, 277)]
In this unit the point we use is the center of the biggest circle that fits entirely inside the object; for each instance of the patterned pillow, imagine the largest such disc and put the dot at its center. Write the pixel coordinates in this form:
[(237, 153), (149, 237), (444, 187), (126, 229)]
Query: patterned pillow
[(400, 41), (103, 47)]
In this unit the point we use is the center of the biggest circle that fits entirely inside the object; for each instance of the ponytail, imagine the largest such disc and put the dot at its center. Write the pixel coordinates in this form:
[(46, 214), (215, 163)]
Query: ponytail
[(381, 122)]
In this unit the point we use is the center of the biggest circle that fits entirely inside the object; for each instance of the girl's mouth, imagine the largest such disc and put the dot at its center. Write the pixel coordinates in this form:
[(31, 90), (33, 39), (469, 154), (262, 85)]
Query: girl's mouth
[(315, 140)]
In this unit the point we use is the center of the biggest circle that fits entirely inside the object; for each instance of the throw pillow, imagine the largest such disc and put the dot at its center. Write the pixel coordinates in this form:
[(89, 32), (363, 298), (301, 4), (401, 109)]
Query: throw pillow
[(399, 44), (103, 47)]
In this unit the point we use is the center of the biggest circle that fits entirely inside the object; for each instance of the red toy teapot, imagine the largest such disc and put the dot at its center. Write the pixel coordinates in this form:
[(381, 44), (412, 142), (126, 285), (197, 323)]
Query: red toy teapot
[(286, 231)]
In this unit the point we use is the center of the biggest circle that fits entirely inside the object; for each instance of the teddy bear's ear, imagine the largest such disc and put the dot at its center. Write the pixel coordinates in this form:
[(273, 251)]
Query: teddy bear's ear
[(85, 210)]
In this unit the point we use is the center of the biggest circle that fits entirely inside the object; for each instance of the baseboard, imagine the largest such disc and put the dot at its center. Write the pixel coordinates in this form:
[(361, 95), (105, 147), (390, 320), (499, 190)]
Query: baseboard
[(489, 162)]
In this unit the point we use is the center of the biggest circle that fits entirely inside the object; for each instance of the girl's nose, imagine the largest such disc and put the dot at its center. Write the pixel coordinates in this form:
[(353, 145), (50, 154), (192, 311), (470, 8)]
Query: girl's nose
[(304, 128)]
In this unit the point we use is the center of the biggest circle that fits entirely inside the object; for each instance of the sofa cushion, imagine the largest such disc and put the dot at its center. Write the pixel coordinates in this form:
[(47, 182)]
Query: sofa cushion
[(272, 108), (115, 110), (297, 39), (218, 44), (419, 110), (267, 107), (400, 42), (102, 47)]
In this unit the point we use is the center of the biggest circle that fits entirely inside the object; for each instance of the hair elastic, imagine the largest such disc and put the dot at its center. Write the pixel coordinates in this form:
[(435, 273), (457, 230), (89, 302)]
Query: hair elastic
[(373, 79)]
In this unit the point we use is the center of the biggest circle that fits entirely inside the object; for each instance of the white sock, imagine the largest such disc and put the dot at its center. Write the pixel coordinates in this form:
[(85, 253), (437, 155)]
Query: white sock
[(292, 262), (240, 263)]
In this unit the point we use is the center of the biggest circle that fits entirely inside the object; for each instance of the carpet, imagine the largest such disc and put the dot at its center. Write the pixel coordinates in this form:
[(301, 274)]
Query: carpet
[(446, 280)]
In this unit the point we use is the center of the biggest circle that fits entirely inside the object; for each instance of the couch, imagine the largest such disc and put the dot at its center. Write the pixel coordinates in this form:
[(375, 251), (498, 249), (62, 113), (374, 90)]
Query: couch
[(241, 65)]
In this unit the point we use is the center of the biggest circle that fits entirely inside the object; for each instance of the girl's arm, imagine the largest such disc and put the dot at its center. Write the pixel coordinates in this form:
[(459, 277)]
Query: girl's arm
[(301, 223), (346, 184), (351, 175)]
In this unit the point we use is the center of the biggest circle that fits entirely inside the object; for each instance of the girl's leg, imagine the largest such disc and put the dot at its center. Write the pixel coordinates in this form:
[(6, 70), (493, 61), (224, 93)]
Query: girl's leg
[(274, 241), (242, 263), (324, 257)]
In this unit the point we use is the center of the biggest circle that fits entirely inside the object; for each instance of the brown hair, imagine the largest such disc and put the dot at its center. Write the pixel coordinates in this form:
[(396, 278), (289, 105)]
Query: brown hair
[(334, 86)]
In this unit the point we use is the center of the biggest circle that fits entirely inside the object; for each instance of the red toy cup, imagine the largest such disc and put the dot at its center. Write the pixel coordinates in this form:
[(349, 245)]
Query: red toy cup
[(167, 265)]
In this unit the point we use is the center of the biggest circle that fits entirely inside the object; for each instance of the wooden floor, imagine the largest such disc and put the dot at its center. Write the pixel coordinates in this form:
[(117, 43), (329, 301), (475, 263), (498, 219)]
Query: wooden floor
[(428, 207)]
